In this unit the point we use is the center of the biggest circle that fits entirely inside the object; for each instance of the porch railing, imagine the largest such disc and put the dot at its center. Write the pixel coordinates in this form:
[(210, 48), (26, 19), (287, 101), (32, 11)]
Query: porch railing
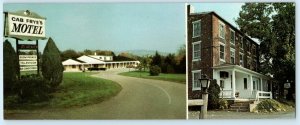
[(225, 94), (263, 95)]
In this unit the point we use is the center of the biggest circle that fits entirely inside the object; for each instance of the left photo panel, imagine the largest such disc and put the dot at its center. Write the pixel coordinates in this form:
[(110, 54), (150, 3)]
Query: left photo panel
[(94, 61)]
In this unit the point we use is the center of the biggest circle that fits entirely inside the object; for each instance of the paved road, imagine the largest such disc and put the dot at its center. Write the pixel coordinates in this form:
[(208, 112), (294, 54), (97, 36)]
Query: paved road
[(244, 115), (139, 99)]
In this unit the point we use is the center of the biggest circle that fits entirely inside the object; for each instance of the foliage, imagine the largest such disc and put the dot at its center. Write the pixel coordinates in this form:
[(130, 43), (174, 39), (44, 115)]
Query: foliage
[(273, 24), (213, 96), (155, 70), (69, 54), (52, 68), (32, 89), (10, 67), (223, 104), (156, 60), (271, 105)]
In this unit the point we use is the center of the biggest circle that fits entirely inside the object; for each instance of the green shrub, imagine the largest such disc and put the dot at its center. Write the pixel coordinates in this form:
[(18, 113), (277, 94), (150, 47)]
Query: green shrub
[(52, 68), (155, 70), (223, 104), (271, 105), (32, 89), (213, 95), (10, 68)]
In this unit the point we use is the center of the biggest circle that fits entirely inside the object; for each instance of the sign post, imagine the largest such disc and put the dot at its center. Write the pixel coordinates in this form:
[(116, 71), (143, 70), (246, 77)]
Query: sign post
[(26, 26)]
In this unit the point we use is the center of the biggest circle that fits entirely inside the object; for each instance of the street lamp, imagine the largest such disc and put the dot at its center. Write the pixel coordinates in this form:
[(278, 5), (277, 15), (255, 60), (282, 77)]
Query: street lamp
[(205, 82)]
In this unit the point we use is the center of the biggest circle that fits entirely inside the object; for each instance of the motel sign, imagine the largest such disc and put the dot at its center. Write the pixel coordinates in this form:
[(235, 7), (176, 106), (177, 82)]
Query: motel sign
[(25, 26)]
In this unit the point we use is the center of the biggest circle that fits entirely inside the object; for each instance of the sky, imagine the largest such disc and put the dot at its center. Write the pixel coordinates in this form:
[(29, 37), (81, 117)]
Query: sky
[(107, 26), (119, 26)]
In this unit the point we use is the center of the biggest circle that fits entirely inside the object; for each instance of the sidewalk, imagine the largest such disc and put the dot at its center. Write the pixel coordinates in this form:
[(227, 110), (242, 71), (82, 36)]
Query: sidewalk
[(243, 115)]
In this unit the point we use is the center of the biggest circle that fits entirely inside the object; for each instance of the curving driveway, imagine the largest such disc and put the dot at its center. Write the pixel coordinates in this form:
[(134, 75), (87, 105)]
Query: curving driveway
[(139, 99)]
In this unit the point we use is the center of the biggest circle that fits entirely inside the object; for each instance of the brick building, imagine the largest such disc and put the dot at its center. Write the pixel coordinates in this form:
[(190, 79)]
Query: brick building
[(225, 54)]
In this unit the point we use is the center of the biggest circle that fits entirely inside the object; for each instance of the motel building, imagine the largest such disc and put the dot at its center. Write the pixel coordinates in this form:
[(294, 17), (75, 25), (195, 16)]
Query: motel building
[(84, 62), (226, 55)]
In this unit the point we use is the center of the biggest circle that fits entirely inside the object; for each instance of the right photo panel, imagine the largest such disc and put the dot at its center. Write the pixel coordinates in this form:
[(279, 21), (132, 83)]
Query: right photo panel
[(241, 60)]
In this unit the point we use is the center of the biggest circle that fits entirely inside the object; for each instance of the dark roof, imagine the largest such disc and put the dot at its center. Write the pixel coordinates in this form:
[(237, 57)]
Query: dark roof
[(233, 27)]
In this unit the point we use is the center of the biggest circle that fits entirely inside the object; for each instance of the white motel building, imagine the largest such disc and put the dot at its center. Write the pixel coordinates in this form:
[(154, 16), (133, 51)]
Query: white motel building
[(95, 61)]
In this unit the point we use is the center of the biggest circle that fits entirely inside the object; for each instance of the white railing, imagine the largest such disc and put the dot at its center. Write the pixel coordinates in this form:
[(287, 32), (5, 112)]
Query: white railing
[(225, 94), (263, 95), (246, 94)]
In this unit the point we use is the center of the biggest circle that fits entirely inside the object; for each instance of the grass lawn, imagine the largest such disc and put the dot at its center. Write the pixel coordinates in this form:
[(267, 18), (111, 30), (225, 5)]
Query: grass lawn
[(78, 89), (179, 78)]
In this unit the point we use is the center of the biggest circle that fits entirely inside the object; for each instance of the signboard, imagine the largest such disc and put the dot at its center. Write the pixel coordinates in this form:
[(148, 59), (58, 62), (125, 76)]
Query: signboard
[(28, 63), (27, 46), (25, 25), (28, 68), (27, 57)]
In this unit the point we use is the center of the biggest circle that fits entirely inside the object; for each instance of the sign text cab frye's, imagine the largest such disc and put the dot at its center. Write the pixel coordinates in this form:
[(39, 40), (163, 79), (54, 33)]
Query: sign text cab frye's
[(28, 25)]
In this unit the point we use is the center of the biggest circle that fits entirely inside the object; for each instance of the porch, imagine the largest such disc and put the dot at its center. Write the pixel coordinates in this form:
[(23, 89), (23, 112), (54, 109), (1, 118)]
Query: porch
[(239, 83)]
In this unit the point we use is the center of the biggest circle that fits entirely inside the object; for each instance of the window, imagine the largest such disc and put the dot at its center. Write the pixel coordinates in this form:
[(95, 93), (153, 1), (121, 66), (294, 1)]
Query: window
[(73, 66), (222, 84), (196, 51), (221, 30), (254, 50), (241, 59), (196, 76), (232, 37), (196, 28), (222, 52), (254, 85), (249, 46), (248, 62), (245, 83), (241, 43), (232, 55), (231, 81)]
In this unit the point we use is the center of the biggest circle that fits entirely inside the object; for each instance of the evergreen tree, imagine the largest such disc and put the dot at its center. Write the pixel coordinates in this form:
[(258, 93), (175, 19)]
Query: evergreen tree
[(10, 67), (52, 68), (156, 60)]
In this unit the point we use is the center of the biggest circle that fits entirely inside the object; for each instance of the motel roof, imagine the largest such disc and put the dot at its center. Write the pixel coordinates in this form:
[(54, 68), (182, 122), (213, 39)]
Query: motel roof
[(90, 60), (71, 62)]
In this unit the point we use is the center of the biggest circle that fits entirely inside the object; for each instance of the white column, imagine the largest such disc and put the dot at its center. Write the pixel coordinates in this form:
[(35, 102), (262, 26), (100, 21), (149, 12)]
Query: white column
[(261, 85), (233, 83), (251, 83)]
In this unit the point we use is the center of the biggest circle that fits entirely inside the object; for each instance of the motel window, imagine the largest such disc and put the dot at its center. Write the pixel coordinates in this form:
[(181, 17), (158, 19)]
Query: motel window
[(241, 59), (196, 77), (196, 28), (232, 55), (241, 43), (254, 50), (222, 52), (196, 51), (248, 62), (249, 46), (221, 30), (232, 36), (73, 66), (222, 84), (245, 83)]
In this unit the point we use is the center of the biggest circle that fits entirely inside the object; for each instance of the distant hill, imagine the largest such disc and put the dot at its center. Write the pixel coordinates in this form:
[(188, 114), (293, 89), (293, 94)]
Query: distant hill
[(143, 52)]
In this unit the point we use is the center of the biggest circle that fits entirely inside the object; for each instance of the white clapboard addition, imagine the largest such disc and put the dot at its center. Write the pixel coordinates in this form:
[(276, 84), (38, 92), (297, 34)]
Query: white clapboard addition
[(28, 63), (27, 57), (28, 68)]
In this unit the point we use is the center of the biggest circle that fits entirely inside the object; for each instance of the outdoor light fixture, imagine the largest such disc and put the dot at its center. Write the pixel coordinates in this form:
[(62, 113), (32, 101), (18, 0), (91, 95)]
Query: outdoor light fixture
[(205, 82)]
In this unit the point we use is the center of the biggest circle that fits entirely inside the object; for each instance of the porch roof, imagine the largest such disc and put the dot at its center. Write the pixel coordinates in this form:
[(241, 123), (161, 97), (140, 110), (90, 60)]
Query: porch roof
[(239, 69), (71, 62)]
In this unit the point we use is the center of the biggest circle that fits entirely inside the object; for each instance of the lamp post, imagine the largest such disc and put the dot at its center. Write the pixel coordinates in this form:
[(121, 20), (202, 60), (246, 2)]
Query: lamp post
[(205, 82)]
